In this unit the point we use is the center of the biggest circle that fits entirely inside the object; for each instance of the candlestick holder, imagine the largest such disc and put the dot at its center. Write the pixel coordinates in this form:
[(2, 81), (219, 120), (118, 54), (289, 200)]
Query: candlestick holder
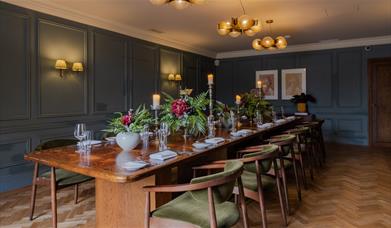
[(210, 89), (156, 110)]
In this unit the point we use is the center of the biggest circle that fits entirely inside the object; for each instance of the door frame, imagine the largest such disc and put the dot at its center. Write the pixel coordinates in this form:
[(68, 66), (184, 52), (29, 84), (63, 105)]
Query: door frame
[(371, 105)]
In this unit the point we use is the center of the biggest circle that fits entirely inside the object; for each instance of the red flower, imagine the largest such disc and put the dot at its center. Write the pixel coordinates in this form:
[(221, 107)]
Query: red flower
[(126, 120), (179, 107)]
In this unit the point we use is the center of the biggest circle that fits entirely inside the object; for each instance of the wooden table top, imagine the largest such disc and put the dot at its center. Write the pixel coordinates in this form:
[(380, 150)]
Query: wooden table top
[(104, 159)]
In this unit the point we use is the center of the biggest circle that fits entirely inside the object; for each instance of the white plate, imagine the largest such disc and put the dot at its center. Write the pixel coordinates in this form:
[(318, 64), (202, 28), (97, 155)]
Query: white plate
[(91, 142), (201, 145), (134, 165)]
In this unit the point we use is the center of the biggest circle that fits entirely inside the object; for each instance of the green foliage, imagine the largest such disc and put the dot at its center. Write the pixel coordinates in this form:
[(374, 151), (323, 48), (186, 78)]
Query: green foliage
[(140, 118), (303, 98), (251, 103), (194, 120)]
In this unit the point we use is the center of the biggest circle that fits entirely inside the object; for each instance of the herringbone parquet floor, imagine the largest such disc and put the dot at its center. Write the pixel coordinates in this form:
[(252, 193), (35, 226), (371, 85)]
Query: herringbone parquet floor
[(352, 190)]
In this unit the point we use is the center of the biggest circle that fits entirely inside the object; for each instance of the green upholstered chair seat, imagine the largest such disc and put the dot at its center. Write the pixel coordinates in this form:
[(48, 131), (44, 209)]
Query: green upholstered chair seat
[(186, 208), (265, 165), (287, 163), (64, 177), (249, 180)]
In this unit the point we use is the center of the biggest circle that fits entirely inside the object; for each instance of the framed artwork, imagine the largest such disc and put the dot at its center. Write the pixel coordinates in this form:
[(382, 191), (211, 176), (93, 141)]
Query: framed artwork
[(293, 82), (269, 79)]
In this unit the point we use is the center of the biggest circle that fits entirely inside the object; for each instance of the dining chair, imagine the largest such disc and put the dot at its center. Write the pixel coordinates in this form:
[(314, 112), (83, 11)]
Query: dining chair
[(286, 153), (316, 141), (302, 151), (204, 203), (56, 178), (255, 177)]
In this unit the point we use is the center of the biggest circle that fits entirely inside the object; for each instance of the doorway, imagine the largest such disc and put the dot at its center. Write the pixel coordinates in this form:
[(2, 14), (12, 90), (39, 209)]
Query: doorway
[(379, 121)]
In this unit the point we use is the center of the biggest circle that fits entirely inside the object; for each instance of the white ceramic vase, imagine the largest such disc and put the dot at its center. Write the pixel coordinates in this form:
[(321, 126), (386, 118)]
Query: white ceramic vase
[(127, 140)]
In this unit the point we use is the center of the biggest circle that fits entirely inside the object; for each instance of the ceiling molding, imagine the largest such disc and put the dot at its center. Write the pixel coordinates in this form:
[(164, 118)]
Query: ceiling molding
[(50, 8), (367, 41)]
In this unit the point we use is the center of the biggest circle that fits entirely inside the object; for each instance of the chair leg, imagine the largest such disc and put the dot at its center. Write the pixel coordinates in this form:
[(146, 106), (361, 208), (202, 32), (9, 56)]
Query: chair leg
[(53, 192), (261, 201), (298, 188), (280, 196), (303, 171), (147, 210), (285, 185), (76, 193), (242, 203), (34, 190)]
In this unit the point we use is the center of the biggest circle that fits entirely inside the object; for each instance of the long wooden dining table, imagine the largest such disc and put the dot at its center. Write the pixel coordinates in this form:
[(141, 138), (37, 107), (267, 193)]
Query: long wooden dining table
[(120, 199)]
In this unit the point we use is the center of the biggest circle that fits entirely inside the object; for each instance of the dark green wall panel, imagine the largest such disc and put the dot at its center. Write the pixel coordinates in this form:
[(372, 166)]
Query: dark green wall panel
[(109, 77), (170, 62), (14, 66), (67, 95)]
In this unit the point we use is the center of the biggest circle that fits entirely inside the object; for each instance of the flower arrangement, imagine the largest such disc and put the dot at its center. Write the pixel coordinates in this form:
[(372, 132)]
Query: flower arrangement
[(130, 122), (186, 112), (252, 102), (223, 111)]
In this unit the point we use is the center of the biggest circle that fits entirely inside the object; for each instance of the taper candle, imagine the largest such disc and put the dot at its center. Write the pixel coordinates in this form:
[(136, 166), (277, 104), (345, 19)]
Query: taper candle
[(259, 84), (238, 99), (210, 79), (155, 101)]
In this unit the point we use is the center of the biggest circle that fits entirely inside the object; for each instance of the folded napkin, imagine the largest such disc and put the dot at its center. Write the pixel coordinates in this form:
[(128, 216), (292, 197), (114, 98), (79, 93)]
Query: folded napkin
[(280, 121), (134, 165), (265, 125), (215, 140), (91, 142), (242, 132), (198, 145), (163, 155), (291, 118)]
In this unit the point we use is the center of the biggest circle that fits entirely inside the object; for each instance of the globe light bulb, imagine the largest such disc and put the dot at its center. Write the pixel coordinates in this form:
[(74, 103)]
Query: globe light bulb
[(267, 42), (249, 32), (197, 1), (158, 2), (256, 27), (234, 33), (281, 42), (245, 22), (222, 32), (257, 44), (180, 4)]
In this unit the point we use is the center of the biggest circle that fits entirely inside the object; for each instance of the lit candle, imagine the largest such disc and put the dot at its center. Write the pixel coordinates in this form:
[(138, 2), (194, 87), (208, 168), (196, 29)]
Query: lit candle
[(238, 98), (155, 101), (259, 84), (210, 79)]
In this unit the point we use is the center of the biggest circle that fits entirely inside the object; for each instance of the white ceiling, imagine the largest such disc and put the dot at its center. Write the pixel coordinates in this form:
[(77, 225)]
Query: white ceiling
[(306, 21)]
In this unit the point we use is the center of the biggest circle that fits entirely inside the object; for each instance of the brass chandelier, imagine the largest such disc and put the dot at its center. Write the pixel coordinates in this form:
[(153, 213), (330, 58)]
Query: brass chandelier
[(268, 42), (178, 4), (238, 26)]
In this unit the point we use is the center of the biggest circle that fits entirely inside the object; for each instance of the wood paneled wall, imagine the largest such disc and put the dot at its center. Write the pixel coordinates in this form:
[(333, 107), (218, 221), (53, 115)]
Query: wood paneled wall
[(37, 105), (337, 78)]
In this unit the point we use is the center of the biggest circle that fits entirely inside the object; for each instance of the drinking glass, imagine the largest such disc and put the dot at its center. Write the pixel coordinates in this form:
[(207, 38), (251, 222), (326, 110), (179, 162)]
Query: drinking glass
[(79, 133), (89, 136), (259, 119), (163, 133), (145, 136), (211, 127)]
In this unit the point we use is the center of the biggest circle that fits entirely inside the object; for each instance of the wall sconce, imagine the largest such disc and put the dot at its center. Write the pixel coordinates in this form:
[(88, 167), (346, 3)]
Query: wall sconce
[(77, 67), (171, 77), (178, 77), (61, 65)]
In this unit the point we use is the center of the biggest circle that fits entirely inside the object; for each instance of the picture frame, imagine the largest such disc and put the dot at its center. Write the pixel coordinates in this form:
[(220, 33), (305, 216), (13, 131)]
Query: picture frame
[(269, 79), (293, 82)]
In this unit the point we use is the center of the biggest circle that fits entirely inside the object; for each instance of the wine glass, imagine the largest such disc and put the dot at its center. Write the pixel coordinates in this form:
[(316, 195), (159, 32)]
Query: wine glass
[(79, 133)]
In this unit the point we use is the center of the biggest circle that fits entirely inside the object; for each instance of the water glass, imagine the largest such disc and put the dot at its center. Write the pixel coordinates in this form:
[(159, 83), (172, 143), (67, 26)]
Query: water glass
[(89, 136), (211, 127), (259, 119), (163, 133), (79, 131), (145, 136)]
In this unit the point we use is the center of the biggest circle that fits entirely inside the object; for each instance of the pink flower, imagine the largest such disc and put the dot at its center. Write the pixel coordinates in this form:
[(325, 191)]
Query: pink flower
[(179, 107), (126, 120)]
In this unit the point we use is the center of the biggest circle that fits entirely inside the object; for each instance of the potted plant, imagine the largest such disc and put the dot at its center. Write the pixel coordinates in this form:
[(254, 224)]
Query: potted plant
[(186, 113), (302, 100), (127, 127)]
